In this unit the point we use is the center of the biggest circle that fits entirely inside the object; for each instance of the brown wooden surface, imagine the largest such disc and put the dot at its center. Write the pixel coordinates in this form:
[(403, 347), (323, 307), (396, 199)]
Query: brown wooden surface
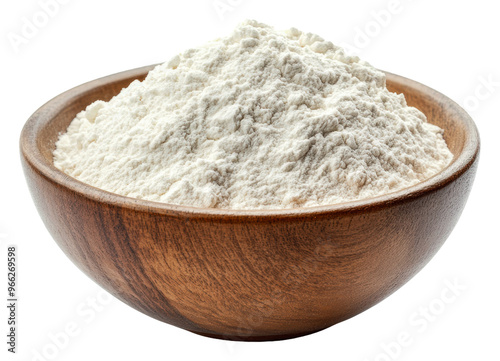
[(248, 275)]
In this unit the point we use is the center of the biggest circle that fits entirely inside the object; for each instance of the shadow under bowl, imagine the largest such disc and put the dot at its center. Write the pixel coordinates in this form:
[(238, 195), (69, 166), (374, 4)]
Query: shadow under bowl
[(248, 275)]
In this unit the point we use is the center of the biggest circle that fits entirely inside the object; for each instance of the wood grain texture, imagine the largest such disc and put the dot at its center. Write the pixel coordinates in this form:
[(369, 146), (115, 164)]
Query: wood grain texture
[(248, 275)]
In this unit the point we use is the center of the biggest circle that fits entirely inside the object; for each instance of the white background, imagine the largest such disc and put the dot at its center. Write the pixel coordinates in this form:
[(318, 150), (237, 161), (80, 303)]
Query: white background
[(447, 45)]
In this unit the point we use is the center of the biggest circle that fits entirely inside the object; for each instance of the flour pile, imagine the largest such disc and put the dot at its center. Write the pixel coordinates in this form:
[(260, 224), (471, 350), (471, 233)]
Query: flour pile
[(259, 120)]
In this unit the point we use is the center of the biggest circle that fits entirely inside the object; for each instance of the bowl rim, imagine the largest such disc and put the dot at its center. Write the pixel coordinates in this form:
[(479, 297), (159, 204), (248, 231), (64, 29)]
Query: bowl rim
[(31, 154)]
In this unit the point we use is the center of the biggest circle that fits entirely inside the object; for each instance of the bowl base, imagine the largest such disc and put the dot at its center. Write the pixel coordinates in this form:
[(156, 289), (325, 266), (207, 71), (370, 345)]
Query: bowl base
[(256, 338)]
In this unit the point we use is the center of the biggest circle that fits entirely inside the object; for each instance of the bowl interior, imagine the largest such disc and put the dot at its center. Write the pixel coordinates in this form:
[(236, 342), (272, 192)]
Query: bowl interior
[(67, 105), (437, 109), (51, 120)]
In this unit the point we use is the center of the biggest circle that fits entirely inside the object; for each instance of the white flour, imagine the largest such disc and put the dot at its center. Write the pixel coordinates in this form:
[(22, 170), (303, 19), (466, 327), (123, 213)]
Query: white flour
[(261, 119)]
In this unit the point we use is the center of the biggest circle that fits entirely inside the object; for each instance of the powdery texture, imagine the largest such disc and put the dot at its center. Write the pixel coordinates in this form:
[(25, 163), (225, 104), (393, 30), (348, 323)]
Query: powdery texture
[(261, 119)]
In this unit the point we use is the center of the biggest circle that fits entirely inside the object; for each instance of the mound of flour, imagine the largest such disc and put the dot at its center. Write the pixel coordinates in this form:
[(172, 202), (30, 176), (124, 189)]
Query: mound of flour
[(260, 119)]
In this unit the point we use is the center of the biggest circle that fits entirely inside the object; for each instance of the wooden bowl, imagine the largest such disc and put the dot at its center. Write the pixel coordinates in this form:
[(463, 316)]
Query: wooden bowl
[(248, 275)]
